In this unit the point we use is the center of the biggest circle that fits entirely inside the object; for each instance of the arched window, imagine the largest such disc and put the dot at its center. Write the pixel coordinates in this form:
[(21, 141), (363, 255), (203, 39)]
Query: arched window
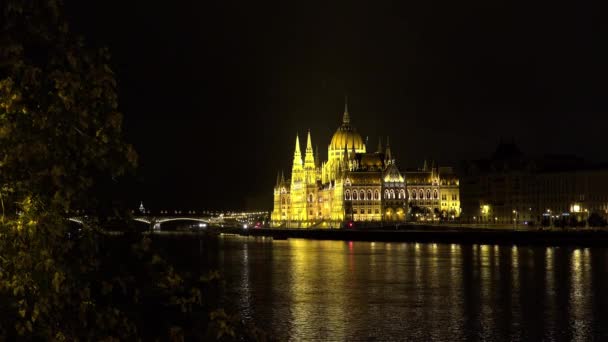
[(392, 193), (369, 195), (347, 182), (421, 194), (310, 198), (377, 195), (283, 200), (347, 195), (435, 194), (385, 193), (402, 194), (355, 196), (428, 194), (362, 195), (409, 194), (414, 194)]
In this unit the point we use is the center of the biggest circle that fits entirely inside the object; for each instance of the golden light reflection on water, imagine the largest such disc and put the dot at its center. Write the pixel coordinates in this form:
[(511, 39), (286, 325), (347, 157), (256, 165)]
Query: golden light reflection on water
[(455, 291), (515, 266), (333, 290), (433, 267), (579, 290), (549, 273), (323, 262), (485, 283)]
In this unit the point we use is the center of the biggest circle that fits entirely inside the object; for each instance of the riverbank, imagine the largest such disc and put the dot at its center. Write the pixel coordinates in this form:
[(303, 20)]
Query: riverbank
[(597, 238)]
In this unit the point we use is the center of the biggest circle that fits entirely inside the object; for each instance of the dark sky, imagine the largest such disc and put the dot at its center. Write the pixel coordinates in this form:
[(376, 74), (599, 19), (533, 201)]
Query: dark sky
[(213, 92)]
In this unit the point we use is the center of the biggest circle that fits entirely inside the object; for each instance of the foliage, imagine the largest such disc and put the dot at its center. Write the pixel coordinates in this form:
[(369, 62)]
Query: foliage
[(59, 122), (92, 287), (60, 140)]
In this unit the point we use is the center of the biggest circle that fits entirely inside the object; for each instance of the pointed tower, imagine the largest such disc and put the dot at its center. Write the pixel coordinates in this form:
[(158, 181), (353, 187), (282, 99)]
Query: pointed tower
[(309, 158), (425, 166), (297, 168), (309, 162), (379, 145), (297, 156), (388, 157), (346, 117), (298, 186), (346, 159)]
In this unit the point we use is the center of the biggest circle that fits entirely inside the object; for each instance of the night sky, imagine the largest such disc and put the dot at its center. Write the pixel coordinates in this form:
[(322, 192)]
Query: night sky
[(213, 92)]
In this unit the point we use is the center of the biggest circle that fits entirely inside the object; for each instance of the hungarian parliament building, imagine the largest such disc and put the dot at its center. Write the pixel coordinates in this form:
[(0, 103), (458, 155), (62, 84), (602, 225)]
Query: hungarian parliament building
[(355, 186)]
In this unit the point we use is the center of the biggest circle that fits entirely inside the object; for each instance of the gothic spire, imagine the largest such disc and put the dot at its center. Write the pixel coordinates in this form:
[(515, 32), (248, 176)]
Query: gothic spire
[(388, 157), (346, 117), (297, 156), (380, 145), (309, 159)]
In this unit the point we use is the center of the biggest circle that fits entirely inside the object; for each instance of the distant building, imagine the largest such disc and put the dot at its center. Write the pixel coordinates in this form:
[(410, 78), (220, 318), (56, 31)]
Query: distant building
[(352, 185), (433, 193), (512, 188), (361, 186)]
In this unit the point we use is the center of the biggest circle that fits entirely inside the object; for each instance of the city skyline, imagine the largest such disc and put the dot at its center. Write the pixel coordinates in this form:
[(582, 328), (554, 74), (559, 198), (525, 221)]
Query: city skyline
[(448, 180), (213, 90)]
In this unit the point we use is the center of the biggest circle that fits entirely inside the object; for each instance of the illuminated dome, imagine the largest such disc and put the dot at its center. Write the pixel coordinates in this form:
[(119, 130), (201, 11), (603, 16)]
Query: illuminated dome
[(346, 136)]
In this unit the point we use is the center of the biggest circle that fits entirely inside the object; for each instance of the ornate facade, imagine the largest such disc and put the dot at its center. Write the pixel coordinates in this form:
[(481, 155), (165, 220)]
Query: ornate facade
[(355, 185), (433, 193), (352, 185)]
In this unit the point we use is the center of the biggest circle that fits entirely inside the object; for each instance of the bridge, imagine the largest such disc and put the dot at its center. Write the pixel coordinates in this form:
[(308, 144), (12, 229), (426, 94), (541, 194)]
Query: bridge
[(155, 222)]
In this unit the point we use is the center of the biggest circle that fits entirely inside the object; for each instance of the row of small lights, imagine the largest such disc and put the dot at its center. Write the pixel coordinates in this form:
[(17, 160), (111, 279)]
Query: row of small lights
[(237, 214)]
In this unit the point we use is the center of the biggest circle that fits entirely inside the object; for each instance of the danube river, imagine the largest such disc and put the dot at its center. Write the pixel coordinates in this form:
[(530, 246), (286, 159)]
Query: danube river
[(349, 291)]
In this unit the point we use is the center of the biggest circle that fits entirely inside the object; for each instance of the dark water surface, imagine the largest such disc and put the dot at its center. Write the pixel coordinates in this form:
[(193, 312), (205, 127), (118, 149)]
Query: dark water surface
[(348, 291)]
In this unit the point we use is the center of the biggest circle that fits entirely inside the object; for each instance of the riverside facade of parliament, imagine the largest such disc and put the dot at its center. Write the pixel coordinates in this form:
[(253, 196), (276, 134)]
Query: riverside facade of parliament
[(355, 185)]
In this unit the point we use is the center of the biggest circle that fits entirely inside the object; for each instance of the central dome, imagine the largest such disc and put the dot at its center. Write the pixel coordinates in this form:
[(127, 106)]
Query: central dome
[(345, 136)]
